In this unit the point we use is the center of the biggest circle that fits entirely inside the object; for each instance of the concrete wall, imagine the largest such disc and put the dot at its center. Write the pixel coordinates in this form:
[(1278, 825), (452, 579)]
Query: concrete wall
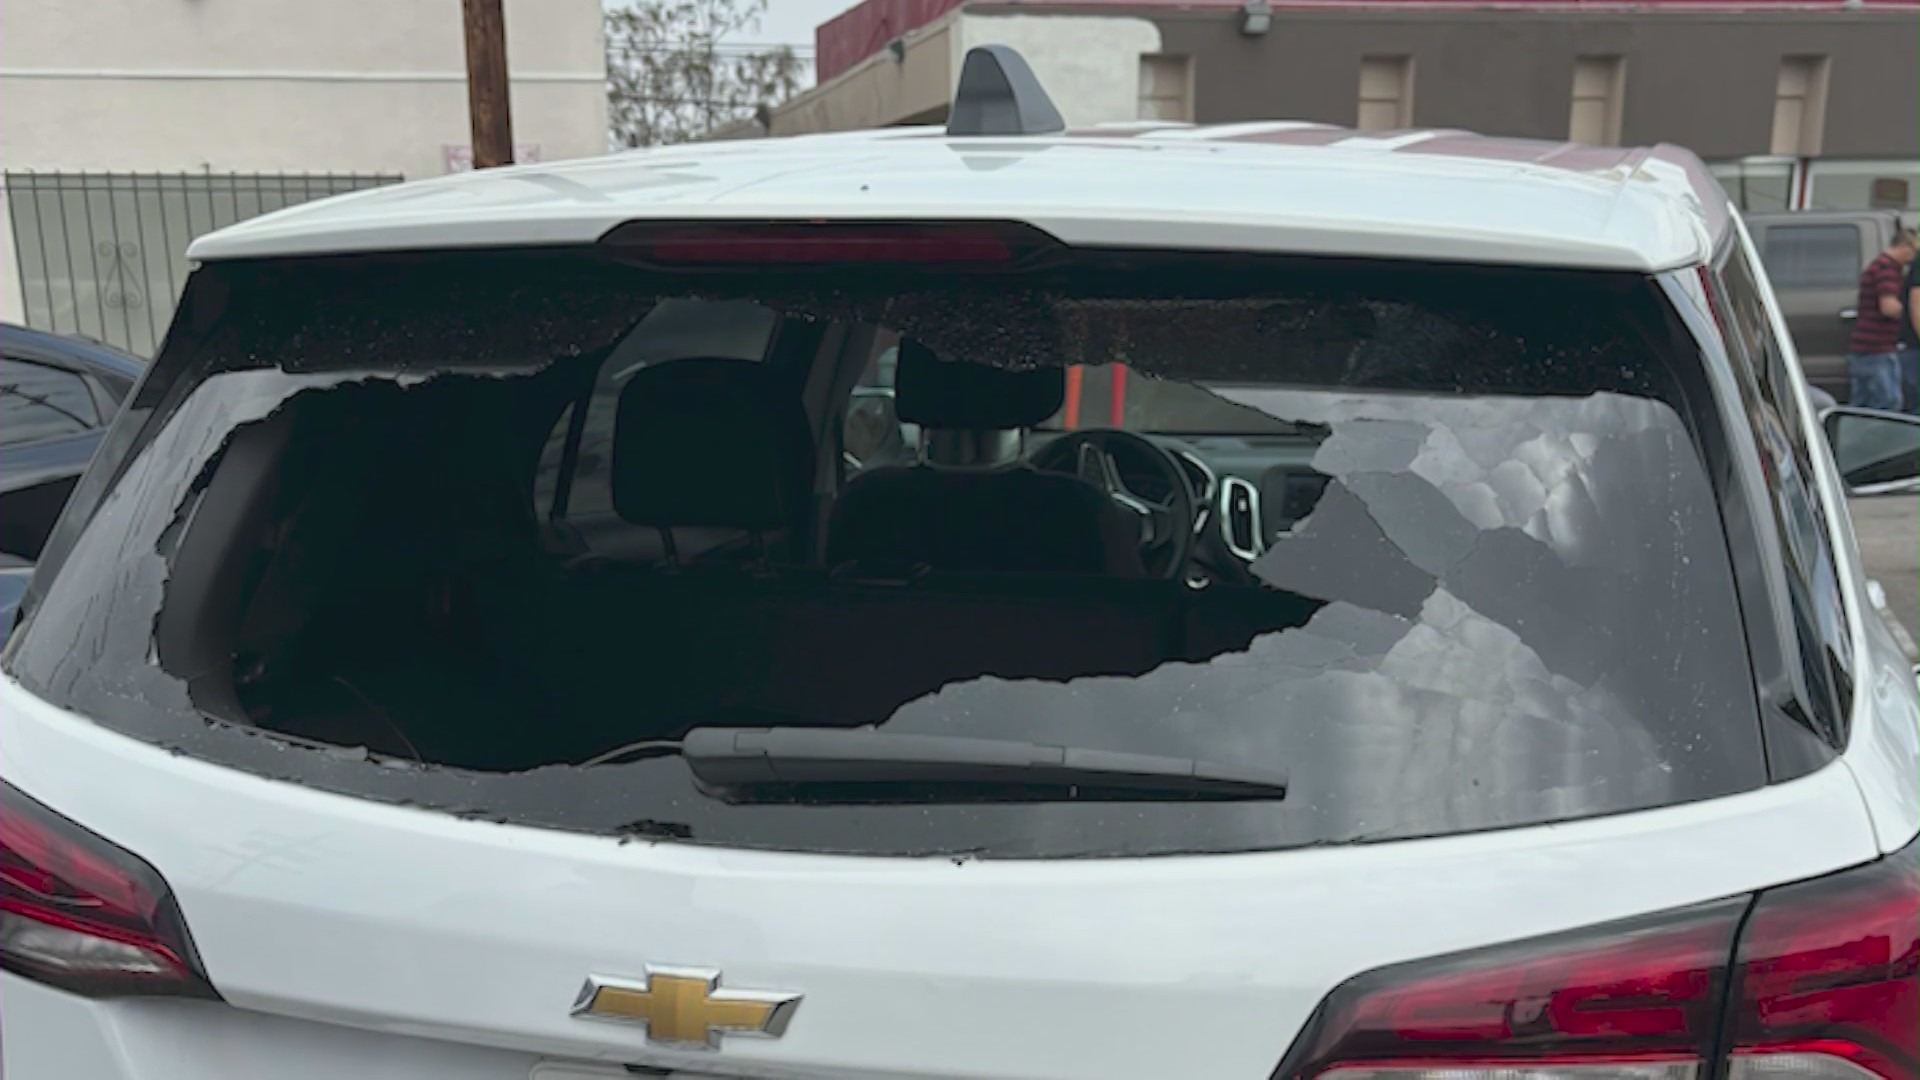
[(371, 86), (881, 91), (1705, 81), (1090, 66)]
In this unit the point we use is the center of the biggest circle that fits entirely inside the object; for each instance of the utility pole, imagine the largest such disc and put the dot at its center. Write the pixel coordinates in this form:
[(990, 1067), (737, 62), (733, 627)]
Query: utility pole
[(487, 105)]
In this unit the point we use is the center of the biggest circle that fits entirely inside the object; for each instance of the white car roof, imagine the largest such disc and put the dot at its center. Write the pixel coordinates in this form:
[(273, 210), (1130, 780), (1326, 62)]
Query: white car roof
[(1282, 187)]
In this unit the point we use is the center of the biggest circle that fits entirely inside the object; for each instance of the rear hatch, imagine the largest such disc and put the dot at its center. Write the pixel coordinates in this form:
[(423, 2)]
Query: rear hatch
[(417, 579)]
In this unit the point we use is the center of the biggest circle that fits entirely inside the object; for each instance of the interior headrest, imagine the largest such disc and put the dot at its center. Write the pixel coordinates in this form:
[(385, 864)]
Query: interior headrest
[(718, 443), (940, 393)]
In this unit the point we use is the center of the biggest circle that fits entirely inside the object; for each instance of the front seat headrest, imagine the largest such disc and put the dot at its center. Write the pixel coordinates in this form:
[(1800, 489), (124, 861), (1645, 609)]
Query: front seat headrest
[(715, 443), (938, 393)]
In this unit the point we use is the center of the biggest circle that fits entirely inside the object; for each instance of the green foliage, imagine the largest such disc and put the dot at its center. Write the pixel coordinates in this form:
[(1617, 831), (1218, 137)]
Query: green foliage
[(672, 77)]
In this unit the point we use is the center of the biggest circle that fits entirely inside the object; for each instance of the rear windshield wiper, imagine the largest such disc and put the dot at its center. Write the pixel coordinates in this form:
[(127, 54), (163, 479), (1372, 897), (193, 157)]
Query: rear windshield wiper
[(863, 765)]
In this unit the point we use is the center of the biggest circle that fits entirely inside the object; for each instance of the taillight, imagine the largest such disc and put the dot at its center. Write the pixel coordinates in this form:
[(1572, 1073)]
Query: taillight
[(79, 913), (1827, 985), (800, 244), (1638, 1000)]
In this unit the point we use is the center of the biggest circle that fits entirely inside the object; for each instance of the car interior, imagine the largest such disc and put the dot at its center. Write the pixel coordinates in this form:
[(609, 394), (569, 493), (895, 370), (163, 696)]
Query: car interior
[(501, 574)]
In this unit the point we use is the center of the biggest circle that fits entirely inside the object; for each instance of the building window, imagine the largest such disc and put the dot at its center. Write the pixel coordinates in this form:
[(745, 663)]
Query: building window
[(1800, 106), (104, 255), (1166, 88), (1386, 93), (1599, 89)]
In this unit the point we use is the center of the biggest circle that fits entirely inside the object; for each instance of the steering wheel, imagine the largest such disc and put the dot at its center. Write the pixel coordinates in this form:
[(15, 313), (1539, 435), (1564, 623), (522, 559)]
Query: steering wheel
[(1166, 527)]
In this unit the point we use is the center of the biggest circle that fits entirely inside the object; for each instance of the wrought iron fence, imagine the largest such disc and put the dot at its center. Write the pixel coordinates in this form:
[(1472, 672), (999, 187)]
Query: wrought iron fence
[(104, 254)]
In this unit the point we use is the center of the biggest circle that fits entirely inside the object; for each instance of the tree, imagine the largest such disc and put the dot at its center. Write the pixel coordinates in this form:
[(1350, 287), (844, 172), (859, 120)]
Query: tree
[(671, 77)]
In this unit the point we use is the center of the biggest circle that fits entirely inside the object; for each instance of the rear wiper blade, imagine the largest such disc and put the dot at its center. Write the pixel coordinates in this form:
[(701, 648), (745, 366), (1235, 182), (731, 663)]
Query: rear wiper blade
[(839, 764)]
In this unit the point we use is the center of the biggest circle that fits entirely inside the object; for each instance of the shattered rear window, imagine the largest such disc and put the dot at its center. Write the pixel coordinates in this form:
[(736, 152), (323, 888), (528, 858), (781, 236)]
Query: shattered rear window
[(373, 539)]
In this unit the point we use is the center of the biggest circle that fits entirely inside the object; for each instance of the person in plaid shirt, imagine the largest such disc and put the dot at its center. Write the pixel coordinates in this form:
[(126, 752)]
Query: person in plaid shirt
[(1910, 342), (1873, 356)]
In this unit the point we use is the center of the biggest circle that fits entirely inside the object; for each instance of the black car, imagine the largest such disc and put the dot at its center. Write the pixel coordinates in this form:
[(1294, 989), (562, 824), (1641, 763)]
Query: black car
[(57, 395)]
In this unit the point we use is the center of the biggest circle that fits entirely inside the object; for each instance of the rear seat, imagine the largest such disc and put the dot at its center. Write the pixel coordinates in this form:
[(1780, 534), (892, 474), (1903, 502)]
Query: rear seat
[(624, 653)]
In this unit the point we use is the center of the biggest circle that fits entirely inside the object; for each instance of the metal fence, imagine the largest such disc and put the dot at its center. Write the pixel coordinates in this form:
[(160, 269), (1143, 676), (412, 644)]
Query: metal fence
[(104, 254)]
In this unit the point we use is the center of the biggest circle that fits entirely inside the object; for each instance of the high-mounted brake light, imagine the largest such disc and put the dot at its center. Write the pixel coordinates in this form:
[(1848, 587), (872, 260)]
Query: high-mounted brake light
[(82, 914), (1639, 1000), (1827, 985), (803, 244)]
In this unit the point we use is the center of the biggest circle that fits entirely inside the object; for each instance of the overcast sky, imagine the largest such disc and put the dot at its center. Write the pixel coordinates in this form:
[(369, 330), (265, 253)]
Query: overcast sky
[(791, 22)]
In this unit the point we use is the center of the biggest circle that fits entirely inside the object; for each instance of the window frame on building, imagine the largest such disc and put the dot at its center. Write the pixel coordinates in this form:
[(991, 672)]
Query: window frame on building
[(1596, 115), (1800, 104), (1158, 101), (1386, 83)]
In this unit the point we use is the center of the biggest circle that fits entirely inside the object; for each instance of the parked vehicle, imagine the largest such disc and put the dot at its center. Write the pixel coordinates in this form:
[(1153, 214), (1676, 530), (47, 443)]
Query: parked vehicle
[(1813, 259), (57, 395), (481, 658)]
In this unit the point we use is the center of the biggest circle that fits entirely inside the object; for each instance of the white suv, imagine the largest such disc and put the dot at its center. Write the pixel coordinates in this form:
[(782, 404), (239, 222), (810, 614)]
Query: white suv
[(1363, 606)]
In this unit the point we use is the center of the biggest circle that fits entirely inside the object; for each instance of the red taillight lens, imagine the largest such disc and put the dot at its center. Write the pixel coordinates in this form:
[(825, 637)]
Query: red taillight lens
[(1627, 1001), (1828, 979), (800, 244), (81, 914)]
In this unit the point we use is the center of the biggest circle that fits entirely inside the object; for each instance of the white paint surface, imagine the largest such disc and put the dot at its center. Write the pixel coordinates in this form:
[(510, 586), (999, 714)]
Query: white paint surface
[(1361, 201), (352, 938)]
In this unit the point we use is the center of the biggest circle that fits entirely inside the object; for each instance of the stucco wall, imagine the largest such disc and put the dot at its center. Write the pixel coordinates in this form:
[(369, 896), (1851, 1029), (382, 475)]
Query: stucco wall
[(1090, 64), (371, 86)]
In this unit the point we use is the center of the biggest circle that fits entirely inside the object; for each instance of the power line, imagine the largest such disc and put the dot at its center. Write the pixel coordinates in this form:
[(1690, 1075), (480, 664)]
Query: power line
[(718, 103), (718, 46)]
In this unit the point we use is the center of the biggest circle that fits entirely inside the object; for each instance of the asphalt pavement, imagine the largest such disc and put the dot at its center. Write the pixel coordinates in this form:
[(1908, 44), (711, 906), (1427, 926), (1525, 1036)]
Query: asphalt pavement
[(1888, 527)]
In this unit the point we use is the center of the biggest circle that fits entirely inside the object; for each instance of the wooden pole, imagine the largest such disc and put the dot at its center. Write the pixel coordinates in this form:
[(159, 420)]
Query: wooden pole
[(487, 106)]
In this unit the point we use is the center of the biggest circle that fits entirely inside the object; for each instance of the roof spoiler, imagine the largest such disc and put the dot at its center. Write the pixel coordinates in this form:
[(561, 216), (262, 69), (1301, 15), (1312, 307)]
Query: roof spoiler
[(1000, 95)]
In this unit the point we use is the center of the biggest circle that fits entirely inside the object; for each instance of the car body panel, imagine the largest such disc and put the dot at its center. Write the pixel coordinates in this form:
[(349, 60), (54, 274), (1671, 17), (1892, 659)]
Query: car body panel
[(338, 910), (1351, 198), (37, 477), (59, 1036)]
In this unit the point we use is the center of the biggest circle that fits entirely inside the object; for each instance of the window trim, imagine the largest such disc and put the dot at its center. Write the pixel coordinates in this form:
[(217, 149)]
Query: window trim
[(1784, 679), (1832, 492)]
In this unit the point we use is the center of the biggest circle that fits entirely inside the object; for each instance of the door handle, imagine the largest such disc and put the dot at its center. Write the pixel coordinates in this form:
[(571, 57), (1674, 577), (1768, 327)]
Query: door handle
[(1849, 314)]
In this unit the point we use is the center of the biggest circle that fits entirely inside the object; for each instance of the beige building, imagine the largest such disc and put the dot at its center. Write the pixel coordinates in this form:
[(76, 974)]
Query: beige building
[(1795, 103), (128, 127)]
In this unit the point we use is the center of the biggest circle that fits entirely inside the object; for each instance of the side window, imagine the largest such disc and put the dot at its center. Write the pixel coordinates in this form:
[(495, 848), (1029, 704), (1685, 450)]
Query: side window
[(1779, 428), (1812, 256), (675, 329), (38, 402)]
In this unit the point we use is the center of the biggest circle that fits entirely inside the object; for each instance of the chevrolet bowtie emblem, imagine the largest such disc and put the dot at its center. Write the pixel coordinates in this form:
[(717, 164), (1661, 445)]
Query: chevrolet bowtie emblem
[(686, 1007)]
